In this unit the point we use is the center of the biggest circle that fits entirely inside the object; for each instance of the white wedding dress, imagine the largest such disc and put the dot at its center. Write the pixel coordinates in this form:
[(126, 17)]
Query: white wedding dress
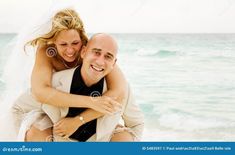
[(17, 71)]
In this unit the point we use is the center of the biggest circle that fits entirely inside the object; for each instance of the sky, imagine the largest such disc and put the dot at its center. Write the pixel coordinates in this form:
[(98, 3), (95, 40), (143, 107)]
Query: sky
[(128, 16)]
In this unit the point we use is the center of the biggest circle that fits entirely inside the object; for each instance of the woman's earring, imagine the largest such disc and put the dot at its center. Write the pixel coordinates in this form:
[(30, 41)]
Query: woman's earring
[(51, 51)]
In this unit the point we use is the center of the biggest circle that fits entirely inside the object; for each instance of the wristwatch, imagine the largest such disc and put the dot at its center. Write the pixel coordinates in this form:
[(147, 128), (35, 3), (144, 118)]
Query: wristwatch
[(81, 119)]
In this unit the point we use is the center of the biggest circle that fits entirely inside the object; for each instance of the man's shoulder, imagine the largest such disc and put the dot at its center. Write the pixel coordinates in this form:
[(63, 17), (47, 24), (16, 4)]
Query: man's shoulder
[(62, 77), (64, 72)]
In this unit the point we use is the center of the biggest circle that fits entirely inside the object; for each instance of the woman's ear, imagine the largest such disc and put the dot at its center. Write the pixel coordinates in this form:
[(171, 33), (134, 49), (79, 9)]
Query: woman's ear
[(83, 51)]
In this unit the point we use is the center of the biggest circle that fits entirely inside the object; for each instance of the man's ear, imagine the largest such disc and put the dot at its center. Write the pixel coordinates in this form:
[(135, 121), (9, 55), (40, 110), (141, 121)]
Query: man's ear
[(114, 62), (83, 52)]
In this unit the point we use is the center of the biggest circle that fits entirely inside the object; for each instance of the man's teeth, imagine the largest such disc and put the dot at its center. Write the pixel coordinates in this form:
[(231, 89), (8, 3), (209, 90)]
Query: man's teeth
[(96, 68)]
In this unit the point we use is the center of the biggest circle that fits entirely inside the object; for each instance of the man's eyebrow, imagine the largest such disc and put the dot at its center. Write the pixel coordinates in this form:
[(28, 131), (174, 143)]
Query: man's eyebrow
[(96, 49), (110, 54)]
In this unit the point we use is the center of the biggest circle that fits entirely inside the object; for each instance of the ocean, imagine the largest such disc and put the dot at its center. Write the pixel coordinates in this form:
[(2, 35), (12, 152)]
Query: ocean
[(184, 83)]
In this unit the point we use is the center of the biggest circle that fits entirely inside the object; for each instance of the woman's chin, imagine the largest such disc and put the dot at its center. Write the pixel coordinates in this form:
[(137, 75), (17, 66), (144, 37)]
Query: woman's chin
[(69, 59)]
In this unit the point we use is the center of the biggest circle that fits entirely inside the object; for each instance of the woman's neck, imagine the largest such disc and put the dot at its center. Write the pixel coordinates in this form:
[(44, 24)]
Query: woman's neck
[(68, 65)]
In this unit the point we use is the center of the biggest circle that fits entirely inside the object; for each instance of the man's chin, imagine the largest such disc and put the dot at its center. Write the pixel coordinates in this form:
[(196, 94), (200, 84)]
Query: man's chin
[(96, 77)]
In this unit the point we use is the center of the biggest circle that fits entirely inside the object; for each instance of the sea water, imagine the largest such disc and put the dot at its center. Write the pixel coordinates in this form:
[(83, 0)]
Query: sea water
[(183, 83)]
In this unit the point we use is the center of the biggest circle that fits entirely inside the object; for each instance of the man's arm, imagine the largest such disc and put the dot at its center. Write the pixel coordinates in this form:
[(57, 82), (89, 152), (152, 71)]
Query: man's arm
[(67, 126), (133, 117), (90, 114)]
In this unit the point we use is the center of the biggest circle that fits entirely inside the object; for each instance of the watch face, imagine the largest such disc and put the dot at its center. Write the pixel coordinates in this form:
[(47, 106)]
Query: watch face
[(81, 119)]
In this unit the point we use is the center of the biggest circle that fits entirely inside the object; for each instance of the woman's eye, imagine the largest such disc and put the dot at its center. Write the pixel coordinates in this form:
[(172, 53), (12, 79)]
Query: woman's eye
[(75, 43)]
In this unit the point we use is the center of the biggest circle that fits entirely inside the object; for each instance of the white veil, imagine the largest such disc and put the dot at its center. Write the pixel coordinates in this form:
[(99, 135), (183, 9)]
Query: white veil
[(17, 71)]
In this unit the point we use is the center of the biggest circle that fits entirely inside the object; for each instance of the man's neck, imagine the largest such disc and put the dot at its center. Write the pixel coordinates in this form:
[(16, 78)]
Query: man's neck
[(86, 79)]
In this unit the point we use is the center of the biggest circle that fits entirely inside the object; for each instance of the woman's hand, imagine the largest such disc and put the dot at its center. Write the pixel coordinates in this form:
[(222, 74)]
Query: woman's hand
[(105, 105), (66, 127)]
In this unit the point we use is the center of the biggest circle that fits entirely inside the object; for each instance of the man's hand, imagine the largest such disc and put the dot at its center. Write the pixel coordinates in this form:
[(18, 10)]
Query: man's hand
[(66, 127)]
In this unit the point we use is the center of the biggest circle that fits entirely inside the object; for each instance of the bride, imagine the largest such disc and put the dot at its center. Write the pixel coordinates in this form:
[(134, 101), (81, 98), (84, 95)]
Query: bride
[(57, 43)]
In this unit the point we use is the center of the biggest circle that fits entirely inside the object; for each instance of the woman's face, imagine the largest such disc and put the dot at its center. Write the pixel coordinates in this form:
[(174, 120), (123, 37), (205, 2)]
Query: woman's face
[(68, 44)]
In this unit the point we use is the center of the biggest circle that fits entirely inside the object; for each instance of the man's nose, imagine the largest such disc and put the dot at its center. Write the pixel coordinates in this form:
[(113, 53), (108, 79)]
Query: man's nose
[(100, 60)]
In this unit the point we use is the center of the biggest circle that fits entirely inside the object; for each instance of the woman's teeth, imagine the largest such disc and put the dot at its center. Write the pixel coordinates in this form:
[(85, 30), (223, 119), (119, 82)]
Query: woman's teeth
[(69, 55)]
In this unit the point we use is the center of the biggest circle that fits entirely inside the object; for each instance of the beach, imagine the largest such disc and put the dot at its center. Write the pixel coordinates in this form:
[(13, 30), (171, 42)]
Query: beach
[(184, 83)]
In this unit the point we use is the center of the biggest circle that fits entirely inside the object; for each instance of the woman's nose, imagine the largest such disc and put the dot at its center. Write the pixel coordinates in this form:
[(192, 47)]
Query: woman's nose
[(70, 49)]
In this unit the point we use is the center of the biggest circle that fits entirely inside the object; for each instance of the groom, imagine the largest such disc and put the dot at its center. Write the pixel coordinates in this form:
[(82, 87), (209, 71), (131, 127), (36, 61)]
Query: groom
[(99, 58)]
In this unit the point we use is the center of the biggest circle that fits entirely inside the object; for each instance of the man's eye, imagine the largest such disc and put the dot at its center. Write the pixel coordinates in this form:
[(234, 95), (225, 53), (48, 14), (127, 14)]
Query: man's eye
[(63, 44), (108, 57)]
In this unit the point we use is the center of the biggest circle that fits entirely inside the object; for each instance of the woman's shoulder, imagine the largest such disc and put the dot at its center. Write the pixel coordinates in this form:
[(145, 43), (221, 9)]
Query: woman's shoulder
[(41, 49), (43, 56), (41, 52)]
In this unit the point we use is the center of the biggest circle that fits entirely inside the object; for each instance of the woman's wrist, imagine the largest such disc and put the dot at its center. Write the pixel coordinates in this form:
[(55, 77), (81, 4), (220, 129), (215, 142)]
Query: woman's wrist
[(85, 100)]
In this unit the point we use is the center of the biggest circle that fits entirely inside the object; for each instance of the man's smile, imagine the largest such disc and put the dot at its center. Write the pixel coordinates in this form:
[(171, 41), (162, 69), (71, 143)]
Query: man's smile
[(97, 69)]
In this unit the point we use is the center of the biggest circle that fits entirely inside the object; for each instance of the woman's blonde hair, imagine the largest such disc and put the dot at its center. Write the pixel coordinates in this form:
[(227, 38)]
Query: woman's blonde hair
[(63, 20)]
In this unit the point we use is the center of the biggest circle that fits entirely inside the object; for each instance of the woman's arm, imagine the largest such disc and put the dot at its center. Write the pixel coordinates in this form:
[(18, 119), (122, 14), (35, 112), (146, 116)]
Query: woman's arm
[(117, 85), (67, 126), (44, 93)]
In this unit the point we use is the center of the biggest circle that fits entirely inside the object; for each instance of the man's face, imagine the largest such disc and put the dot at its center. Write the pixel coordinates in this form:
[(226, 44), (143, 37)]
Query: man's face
[(99, 58)]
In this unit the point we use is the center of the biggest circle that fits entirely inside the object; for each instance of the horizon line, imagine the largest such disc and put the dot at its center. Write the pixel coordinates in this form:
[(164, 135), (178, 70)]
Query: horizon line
[(146, 32)]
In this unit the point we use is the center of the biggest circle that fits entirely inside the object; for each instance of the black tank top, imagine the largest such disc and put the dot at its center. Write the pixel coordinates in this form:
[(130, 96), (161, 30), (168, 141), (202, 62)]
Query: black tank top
[(78, 86)]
